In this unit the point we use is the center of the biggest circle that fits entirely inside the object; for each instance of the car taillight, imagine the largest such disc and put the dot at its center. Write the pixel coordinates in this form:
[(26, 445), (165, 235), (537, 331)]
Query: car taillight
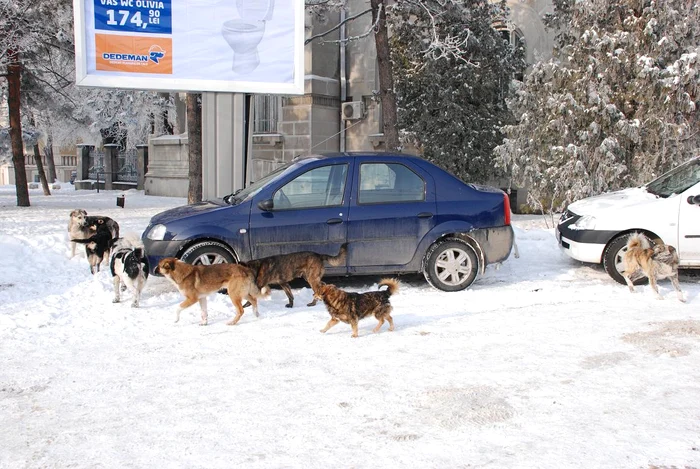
[(506, 208)]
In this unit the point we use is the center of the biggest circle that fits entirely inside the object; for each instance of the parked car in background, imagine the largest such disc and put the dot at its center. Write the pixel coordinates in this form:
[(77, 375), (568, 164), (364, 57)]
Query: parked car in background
[(666, 210), (399, 214)]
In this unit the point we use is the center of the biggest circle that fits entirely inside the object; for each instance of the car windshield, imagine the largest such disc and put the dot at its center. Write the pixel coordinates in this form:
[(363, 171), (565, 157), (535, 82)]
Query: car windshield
[(254, 187), (677, 180)]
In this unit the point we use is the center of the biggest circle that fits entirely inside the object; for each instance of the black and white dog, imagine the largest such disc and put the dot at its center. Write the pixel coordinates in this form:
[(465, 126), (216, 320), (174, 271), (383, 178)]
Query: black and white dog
[(129, 267)]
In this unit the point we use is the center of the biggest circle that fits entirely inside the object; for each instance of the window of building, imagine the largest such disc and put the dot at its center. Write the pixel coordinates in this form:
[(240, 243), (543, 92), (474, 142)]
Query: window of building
[(389, 182), (266, 113)]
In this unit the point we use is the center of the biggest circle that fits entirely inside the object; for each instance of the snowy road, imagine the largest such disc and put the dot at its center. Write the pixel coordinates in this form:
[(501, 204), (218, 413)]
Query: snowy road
[(544, 363)]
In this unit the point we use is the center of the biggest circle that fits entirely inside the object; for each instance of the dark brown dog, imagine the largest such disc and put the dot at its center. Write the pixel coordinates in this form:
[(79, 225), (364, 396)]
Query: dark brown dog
[(196, 282), (351, 307), (656, 263), (282, 269)]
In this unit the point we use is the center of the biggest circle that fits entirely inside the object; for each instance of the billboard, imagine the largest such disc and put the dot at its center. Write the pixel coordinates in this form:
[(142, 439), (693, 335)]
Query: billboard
[(246, 46)]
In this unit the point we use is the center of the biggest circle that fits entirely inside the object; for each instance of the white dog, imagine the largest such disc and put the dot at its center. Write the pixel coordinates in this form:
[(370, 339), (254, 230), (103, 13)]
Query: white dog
[(129, 267)]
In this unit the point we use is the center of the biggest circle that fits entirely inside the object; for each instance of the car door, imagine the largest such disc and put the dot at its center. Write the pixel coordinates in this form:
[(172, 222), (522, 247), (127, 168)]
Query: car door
[(393, 207), (305, 212), (689, 227)]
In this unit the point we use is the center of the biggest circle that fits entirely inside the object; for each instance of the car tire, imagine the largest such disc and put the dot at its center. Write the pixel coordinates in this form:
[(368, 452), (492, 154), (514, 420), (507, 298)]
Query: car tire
[(208, 253), (613, 259), (451, 265)]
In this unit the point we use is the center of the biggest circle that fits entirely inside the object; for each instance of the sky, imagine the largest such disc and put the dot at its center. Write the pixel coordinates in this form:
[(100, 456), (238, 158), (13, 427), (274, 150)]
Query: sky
[(544, 362)]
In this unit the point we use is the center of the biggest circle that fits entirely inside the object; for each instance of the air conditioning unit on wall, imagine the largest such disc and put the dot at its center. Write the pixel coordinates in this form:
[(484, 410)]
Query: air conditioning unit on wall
[(353, 110)]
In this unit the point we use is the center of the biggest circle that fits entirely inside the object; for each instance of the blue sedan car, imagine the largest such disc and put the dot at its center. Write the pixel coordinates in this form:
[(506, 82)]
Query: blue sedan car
[(398, 214)]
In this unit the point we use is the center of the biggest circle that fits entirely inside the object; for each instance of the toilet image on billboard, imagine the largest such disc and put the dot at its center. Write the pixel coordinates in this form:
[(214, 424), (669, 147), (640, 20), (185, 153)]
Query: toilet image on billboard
[(243, 35)]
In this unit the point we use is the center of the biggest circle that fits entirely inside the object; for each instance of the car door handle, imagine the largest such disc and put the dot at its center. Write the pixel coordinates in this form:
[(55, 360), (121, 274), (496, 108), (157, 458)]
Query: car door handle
[(334, 221), (425, 215)]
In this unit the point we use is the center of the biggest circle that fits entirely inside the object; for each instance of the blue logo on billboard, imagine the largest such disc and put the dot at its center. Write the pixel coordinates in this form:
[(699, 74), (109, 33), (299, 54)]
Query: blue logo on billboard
[(155, 53)]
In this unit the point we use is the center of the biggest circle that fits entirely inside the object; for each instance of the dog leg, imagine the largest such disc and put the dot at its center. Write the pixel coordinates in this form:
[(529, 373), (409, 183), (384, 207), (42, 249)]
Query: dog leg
[(379, 325), (254, 302), (288, 291), (391, 322), (137, 295), (330, 324), (238, 304), (205, 316), (629, 282), (116, 281), (655, 287), (185, 304), (72, 249), (676, 285), (354, 329)]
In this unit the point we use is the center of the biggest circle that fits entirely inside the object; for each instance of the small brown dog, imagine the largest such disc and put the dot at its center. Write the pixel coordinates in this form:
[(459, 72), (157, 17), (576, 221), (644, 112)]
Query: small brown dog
[(282, 269), (196, 282), (351, 307), (656, 263)]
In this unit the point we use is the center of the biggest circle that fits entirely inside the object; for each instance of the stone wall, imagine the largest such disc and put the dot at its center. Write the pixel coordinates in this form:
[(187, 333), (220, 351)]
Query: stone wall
[(168, 166)]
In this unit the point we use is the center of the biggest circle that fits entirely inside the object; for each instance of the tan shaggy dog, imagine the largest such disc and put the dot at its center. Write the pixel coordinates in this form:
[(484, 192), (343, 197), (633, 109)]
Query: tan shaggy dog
[(76, 223), (656, 263), (196, 282), (351, 307)]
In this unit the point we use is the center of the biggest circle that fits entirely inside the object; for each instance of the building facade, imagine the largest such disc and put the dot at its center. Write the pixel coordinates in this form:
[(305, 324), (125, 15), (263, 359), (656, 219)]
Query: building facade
[(339, 110)]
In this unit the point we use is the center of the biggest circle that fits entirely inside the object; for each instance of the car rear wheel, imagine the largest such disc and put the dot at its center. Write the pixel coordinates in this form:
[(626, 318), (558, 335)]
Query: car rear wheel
[(613, 259), (207, 253), (451, 265)]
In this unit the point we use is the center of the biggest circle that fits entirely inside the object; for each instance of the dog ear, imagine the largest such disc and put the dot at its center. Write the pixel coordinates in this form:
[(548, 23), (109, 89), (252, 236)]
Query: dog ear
[(171, 264)]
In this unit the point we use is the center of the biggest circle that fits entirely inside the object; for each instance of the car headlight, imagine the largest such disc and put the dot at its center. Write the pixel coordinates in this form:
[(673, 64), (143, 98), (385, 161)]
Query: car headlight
[(157, 233), (584, 223)]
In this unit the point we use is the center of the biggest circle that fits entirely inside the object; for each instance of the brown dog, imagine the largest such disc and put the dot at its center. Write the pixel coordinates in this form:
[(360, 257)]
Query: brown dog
[(656, 263), (351, 307), (282, 269), (196, 282)]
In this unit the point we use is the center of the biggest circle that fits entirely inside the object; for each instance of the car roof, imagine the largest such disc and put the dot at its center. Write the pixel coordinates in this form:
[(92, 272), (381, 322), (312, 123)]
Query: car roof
[(353, 154)]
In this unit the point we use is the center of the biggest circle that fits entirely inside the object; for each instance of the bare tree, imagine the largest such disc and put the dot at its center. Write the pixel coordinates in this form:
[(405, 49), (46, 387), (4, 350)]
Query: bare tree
[(386, 75), (194, 145), (40, 169), (14, 71)]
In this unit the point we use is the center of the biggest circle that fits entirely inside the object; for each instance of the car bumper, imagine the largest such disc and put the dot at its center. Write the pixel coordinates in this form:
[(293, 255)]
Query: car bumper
[(157, 250), (582, 245), (584, 252), (496, 243)]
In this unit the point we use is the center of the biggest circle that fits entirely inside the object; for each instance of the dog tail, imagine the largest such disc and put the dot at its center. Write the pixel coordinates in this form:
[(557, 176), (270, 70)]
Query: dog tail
[(391, 283), (637, 241), (336, 260)]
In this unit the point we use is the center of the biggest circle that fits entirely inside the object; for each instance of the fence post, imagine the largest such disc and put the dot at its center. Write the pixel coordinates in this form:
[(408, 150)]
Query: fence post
[(83, 163), (111, 155), (141, 165)]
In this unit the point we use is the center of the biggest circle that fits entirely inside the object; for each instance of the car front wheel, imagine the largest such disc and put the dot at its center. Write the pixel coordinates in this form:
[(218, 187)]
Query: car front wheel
[(451, 265), (207, 253), (614, 259)]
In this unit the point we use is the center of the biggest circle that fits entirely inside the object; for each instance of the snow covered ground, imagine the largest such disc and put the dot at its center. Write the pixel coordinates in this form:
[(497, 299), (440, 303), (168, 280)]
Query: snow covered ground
[(544, 363)]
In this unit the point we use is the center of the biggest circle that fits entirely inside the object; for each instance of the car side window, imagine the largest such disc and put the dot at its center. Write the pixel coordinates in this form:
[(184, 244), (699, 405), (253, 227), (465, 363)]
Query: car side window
[(319, 187), (389, 182)]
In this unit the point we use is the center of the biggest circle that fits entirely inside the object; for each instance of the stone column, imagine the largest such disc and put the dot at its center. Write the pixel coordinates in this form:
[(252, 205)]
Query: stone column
[(111, 154), (83, 166), (141, 165)]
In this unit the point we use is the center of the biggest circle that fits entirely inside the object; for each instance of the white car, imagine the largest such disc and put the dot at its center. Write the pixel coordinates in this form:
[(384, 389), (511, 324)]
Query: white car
[(665, 210)]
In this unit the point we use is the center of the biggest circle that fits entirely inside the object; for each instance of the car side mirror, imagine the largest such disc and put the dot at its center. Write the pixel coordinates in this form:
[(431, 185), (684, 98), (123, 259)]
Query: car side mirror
[(266, 205), (694, 199)]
